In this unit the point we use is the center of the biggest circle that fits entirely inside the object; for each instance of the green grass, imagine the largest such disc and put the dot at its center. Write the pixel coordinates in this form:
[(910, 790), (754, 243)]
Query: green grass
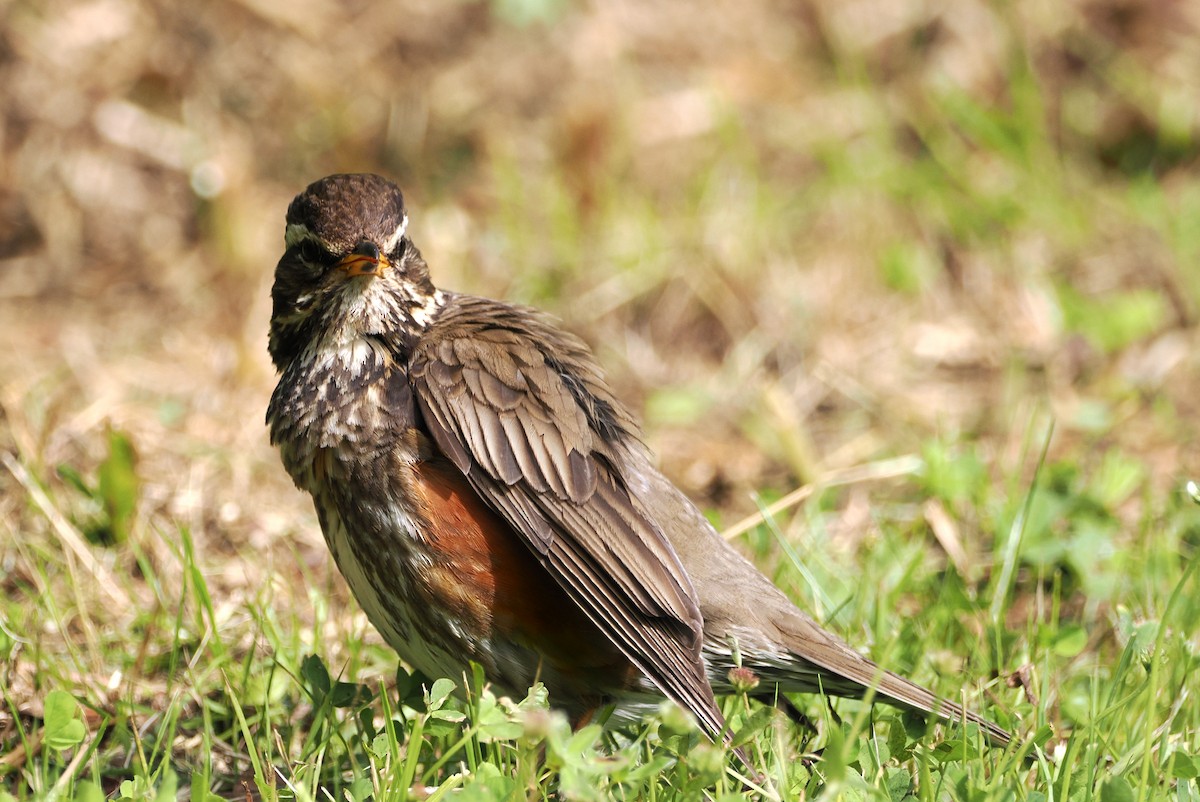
[(1105, 635), (981, 294)]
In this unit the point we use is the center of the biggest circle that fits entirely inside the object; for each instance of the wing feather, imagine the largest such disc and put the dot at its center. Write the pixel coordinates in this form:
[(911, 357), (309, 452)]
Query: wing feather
[(522, 410), (523, 451)]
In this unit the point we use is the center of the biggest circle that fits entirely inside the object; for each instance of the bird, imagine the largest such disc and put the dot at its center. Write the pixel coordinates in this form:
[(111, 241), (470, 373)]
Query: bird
[(488, 498)]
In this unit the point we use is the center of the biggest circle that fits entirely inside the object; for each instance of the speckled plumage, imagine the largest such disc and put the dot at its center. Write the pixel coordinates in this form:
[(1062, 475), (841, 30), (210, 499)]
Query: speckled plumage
[(487, 498)]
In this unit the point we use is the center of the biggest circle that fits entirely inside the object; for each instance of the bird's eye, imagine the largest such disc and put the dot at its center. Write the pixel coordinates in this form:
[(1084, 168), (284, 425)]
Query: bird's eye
[(314, 254)]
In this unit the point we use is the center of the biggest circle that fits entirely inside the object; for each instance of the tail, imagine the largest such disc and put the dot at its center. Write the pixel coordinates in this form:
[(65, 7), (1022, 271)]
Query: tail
[(821, 661), (745, 612), (899, 691)]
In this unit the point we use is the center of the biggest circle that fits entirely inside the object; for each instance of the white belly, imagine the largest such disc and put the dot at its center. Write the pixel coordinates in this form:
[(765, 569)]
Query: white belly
[(383, 586)]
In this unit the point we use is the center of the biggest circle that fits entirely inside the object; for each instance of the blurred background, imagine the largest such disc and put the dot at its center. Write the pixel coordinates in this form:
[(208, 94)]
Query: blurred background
[(801, 236)]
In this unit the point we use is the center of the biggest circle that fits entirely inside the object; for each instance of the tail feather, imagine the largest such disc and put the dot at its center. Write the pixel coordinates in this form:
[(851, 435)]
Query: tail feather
[(745, 612), (904, 693), (818, 660)]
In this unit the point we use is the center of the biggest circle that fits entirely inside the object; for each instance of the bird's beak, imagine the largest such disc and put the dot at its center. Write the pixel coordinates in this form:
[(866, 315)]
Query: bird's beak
[(363, 262)]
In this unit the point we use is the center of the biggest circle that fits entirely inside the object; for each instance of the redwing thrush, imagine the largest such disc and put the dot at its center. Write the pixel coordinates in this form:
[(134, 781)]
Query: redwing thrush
[(488, 498)]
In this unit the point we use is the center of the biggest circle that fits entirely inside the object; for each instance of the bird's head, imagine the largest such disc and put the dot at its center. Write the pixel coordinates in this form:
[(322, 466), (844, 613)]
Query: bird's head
[(348, 270)]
